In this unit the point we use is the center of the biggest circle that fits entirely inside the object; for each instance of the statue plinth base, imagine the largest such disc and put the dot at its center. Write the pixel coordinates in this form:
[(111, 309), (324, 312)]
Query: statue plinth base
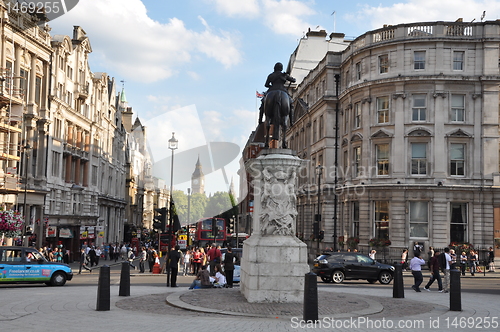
[(273, 269), (274, 262)]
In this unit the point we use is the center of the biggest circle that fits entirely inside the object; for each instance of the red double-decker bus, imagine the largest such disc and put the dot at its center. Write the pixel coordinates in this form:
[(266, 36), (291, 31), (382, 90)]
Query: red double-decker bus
[(204, 233), (163, 240)]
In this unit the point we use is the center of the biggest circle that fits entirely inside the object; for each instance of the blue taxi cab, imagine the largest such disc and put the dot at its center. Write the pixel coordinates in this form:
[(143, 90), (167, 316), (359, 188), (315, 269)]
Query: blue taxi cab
[(28, 265)]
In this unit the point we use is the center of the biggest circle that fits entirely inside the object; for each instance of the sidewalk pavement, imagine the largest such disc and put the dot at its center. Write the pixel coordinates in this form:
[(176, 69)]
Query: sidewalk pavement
[(341, 307)]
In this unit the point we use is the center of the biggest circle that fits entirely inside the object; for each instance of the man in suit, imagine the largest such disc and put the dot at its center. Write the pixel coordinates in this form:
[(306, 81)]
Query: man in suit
[(173, 264)]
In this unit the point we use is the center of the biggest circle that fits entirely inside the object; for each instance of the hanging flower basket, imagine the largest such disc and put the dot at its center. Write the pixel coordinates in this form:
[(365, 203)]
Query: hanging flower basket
[(11, 223), (379, 242), (459, 247), (352, 242)]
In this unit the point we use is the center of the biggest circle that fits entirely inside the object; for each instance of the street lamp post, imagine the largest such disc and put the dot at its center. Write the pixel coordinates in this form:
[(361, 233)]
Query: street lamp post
[(189, 208), (172, 145), (336, 164), (26, 149), (319, 171)]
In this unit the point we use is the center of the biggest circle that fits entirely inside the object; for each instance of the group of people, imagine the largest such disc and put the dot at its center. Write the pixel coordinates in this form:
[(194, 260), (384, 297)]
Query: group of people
[(57, 254), (218, 272), (444, 262)]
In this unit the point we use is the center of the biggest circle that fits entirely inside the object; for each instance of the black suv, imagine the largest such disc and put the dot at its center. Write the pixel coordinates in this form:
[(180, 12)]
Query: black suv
[(340, 266)]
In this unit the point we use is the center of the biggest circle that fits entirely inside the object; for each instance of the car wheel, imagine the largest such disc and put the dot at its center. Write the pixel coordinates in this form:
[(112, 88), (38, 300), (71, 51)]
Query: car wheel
[(385, 277), (338, 276), (326, 279), (372, 281), (58, 279)]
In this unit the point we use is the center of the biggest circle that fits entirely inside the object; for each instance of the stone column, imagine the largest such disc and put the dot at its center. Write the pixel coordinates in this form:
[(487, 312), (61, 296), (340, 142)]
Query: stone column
[(67, 178), (274, 260), (42, 148)]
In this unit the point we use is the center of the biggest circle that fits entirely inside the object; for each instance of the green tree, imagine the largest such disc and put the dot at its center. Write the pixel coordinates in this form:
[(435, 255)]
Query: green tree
[(218, 204), (198, 204), (181, 205)]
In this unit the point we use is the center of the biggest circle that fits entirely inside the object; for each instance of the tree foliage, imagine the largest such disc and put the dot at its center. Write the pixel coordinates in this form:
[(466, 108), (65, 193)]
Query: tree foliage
[(195, 205), (221, 204), (217, 204)]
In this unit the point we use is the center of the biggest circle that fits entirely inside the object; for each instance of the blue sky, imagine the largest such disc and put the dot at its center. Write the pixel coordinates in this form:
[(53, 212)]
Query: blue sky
[(192, 67)]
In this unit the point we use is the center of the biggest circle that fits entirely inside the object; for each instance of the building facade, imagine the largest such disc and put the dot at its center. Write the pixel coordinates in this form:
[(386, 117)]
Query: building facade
[(66, 141), (417, 144), (86, 150), (25, 57)]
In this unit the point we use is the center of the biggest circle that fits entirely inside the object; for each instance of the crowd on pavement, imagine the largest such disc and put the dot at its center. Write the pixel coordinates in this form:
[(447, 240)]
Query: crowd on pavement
[(444, 262)]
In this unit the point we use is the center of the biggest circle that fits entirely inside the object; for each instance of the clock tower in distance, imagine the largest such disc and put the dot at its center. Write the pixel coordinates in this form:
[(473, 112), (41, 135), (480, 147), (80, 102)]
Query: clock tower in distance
[(198, 179)]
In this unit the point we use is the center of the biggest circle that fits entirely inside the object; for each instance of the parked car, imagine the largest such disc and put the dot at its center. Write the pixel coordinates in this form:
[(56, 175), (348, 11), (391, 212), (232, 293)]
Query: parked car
[(28, 265), (339, 266)]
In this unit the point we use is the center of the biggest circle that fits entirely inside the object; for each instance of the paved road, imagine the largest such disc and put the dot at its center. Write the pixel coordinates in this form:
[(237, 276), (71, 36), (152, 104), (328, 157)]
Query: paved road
[(350, 306)]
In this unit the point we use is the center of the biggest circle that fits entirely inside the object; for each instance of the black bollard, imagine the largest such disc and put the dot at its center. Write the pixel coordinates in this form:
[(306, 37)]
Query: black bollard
[(103, 289), (125, 280), (311, 297), (455, 291), (398, 290)]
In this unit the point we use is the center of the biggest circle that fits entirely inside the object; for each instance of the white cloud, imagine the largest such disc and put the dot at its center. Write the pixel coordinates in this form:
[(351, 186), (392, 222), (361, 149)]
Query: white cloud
[(245, 8), (130, 43), (426, 11), (285, 16)]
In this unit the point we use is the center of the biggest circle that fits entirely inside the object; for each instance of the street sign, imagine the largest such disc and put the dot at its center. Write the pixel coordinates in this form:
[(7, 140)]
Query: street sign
[(182, 244)]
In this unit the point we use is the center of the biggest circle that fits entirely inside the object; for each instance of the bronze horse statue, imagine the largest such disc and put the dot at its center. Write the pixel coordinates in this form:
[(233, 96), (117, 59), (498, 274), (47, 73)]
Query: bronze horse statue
[(277, 106)]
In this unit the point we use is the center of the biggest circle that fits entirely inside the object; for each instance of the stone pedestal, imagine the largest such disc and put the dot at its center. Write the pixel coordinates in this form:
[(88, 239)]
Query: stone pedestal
[(274, 260)]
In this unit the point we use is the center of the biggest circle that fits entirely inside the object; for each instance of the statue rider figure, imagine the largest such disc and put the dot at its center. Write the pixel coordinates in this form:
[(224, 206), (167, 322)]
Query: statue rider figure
[(276, 81)]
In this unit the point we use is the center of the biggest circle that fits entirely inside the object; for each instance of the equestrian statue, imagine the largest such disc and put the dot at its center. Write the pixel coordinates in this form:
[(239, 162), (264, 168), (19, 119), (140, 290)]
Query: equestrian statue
[(276, 105)]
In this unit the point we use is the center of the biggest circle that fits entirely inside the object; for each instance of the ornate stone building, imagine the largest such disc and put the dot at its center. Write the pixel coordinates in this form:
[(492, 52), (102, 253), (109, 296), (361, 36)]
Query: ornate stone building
[(86, 149), (418, 137), (67, 143), (25, 56)]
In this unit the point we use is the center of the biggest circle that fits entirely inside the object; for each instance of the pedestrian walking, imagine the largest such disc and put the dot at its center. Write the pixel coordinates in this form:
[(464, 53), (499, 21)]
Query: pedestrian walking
[(404, 259), (187, 262), (98, 255), (435, 273), (229, 260), (463, 262), (197, 260), (173, 263), (491, 260), (445, 263), (142, 259), (83, 261), (453, 256), (472, 262), (416, 269), (92, 256), (151, 258), (214, 257), (130, 258)]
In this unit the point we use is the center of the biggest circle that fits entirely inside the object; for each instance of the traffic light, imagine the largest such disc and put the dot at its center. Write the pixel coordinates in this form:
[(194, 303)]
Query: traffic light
[(316, 230), (215, 230), (231, 226), (161, 219)]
